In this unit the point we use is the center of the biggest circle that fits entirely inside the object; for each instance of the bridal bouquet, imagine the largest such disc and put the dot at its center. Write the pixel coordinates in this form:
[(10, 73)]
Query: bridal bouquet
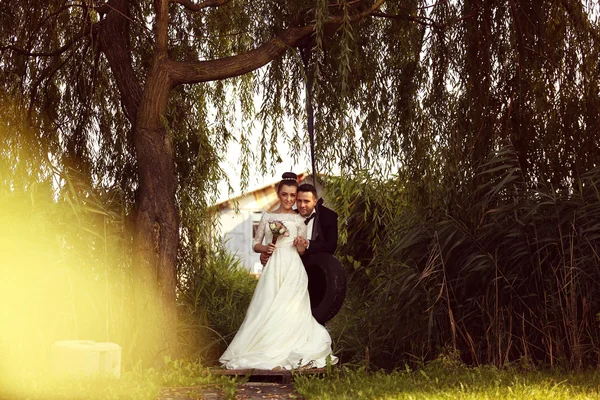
[(278, 229)]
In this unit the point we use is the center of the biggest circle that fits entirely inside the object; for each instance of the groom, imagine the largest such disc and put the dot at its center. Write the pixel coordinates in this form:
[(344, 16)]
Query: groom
[(321, 237), (321, 232)]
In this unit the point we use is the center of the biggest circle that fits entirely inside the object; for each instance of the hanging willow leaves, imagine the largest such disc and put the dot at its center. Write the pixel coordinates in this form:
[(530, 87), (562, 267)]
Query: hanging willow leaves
[(147, 97)]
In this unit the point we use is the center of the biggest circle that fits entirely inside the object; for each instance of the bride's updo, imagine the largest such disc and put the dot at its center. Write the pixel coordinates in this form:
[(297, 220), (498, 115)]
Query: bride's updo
[(288, 179)]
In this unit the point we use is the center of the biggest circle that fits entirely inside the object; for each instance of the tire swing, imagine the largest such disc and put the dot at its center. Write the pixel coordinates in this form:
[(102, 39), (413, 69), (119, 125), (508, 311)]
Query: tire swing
[(326, 276), (326, 285)]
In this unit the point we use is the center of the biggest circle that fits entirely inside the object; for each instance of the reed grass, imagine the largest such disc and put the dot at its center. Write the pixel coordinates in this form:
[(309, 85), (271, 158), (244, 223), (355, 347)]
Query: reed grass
[(509, 271)]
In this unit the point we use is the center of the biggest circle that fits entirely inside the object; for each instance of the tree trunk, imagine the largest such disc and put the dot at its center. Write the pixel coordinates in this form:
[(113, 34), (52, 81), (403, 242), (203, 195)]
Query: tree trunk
[(156, 224), (156, 236)]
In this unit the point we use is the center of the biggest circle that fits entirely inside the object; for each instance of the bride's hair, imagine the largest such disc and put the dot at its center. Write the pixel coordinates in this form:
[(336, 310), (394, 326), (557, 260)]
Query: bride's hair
[(288, 179)]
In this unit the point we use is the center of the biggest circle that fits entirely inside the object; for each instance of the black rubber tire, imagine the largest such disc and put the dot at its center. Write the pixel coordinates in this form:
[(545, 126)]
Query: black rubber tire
[(326, 285)]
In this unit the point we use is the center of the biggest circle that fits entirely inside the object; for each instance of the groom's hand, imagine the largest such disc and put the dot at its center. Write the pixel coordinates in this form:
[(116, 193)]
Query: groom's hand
[(300, 244), (300, 241)]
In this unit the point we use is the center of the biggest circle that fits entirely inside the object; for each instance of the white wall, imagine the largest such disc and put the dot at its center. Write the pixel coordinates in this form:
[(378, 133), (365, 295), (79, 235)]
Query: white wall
[(236, 228)]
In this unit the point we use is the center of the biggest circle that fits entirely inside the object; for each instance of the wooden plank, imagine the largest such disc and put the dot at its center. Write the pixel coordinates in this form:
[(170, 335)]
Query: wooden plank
[(311, 371), (267, 375)]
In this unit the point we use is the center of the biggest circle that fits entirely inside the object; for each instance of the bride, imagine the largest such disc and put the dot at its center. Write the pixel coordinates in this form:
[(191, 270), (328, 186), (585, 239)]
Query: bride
[(279, 330)]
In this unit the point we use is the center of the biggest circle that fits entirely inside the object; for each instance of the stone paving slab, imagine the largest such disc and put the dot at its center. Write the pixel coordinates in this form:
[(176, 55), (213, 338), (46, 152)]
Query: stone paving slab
[(264, 390), (191, 393), (247, 391), (262, 384)]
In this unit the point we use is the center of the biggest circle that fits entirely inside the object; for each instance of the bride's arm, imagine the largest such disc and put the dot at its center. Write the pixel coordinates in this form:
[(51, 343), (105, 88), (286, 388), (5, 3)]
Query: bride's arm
[(261, 248), (260, 234)]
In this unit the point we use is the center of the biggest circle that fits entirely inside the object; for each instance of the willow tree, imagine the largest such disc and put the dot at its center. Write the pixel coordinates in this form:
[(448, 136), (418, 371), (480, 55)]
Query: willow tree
[(491, 115), (140, 95), (110, 90)]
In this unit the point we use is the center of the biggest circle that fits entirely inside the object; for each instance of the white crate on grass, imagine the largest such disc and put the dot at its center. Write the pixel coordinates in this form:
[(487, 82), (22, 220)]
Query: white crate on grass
[(86, 357)]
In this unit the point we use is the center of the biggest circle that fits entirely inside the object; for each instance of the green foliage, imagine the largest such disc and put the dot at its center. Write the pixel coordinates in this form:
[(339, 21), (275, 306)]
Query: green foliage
[(501, 273), (213, 297), (493, 256), (447, 382), (64, 259), (134, 384), (66, 255), (428, 82)]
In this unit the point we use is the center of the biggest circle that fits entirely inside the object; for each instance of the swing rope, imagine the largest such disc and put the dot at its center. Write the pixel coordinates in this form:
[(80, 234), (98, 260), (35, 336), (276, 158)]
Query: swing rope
[(305, 56)]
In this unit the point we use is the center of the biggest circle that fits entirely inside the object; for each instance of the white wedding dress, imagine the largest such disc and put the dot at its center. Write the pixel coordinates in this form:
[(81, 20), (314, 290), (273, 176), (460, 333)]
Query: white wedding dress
[(279, 329)]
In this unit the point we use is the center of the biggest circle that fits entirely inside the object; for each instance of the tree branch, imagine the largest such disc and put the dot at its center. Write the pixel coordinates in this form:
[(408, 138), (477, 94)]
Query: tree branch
[(113, 37), (575, 12), (187, 72), (53, 53), (33, 34), (203, 71), (190, 5), (424, 7), (45, 75), (534, 51), (426, 21), (161, 27)]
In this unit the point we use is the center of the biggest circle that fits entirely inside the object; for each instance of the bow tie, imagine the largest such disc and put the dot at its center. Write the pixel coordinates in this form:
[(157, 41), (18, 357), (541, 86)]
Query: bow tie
[(307, 220)]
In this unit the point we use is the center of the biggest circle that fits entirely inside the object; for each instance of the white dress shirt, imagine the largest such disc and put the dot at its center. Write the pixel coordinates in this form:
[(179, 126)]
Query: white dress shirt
[(309, 227)]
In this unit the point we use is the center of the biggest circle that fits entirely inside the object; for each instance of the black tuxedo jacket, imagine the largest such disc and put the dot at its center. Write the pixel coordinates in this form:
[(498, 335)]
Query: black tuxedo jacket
[(325, 231)]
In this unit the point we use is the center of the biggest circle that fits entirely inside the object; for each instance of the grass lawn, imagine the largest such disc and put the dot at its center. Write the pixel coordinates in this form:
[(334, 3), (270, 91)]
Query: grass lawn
[(449, 383), (135, 385), (434, 381)]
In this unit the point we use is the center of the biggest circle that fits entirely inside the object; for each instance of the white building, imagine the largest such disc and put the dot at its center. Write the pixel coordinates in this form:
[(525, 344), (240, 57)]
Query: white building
[(239, 218)]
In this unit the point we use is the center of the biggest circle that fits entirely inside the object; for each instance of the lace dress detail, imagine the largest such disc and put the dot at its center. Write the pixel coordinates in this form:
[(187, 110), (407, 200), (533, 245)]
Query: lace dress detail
[(279, 329), (293, 222)]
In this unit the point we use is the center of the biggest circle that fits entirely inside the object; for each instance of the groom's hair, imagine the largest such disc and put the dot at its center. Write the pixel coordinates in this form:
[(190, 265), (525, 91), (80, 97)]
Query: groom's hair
[(307, 187)]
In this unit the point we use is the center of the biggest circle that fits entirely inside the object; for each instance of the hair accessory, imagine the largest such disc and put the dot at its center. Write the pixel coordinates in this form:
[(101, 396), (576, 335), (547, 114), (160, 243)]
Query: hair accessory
[(289, 176)]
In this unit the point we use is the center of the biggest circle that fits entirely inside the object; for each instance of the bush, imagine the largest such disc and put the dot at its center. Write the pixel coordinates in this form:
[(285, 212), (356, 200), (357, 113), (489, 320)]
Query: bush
[(64, 263), (213, 298), (505, 272)]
